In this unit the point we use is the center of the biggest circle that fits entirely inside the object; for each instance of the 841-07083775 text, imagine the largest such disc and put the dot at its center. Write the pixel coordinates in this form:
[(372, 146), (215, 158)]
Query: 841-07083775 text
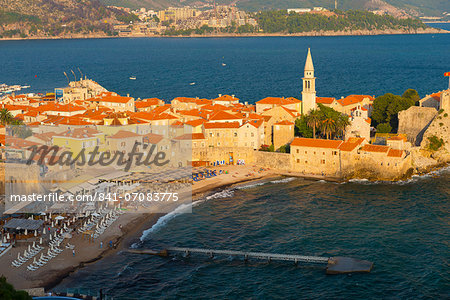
[(97, 196)]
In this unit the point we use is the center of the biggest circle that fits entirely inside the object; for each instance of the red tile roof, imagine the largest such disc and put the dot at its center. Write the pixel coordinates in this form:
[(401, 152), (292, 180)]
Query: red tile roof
[(375, 148), (193, 136), (395, 153), (122, 134), (325, 100), (255, 123), (351, 144), (353, 99), (152, 138), (316, 143), (217, 125), (278, 101), (222, 115), (227, 98), (285, 122), (79, 133), (195, 123)]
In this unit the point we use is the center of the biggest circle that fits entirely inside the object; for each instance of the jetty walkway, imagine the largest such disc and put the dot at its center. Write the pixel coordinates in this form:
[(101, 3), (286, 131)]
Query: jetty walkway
[(335, 265)]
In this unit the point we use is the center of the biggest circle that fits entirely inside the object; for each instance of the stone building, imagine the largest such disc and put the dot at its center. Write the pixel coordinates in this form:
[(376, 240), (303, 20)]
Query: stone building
[(359, 124), (283, 133)]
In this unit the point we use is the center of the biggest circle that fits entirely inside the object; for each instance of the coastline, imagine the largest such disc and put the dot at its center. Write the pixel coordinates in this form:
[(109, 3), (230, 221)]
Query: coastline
[(236, 35), (135, 223)]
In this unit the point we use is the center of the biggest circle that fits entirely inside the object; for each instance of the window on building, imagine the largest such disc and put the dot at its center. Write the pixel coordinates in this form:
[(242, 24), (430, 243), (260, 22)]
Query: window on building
[(322, 161), (298, 160), (306, 161), (298, 151), (253, 134), (235, 134)]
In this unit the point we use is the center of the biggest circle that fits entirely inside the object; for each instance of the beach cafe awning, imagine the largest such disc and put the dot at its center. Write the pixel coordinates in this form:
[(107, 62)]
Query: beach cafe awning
[(23, 224)]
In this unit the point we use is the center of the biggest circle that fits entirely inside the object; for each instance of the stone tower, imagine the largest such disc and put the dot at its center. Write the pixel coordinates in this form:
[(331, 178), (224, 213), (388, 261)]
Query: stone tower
[(445, 101), (309, 86)]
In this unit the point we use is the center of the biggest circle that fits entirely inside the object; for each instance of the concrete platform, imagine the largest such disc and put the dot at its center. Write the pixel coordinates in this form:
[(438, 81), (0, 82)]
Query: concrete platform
[(344, 265)]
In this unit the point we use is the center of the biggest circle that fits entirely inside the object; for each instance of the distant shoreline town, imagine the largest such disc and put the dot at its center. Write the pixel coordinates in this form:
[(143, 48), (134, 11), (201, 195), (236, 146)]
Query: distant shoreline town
[(220, 21)]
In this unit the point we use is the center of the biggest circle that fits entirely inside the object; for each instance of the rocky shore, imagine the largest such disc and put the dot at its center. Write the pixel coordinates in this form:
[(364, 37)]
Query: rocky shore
[(223, 35)]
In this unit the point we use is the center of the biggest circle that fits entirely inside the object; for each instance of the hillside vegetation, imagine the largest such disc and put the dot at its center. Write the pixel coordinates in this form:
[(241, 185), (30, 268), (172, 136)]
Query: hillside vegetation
[(281, 21), (56, 17), (412, 7)]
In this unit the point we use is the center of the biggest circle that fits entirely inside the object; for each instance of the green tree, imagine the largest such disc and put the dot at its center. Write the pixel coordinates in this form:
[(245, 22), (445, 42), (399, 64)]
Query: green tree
[(328, 127), (384, 128), (6, 117), (285, 149), (302, 129), (412, 94), (387, 107), (313, 120), (7, 291)]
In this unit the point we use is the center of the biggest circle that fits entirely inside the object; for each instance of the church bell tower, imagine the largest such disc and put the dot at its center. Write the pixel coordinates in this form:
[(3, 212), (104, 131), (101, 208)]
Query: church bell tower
[(309, 86)]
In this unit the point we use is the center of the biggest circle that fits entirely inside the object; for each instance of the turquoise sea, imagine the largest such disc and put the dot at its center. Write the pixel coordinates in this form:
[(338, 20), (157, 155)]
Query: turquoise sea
[(402, 227)]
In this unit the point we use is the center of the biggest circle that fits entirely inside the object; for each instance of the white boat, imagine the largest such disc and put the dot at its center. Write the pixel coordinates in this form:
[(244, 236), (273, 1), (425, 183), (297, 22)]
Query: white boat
[(223, 65), (133, 78), (192, 83)]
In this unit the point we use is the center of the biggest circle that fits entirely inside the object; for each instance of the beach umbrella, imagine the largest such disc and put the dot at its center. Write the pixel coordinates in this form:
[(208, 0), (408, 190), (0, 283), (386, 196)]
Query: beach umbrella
[(45, 219), (34, 244), (43, 231), (4, 239), (65, 227), (42, 256), (35, 233), (50, 216), (26, 232), (29, 248), (34, 260), (7, 236), (25, 252), (1, 242), (59, 218), (18, 255), (40, 241), (53, 224)]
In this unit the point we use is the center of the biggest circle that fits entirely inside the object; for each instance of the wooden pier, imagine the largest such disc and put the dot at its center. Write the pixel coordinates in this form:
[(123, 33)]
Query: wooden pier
[(335, 265)]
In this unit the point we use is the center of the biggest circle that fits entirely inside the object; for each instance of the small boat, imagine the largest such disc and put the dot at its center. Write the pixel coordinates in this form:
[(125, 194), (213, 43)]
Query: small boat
[(223, 65), (133, 78), (192, 83)]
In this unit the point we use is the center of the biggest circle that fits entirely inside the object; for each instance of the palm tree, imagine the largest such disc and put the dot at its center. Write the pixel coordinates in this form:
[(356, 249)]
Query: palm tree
[(313, 120), (341, 124), (6, 117), (328, 127)]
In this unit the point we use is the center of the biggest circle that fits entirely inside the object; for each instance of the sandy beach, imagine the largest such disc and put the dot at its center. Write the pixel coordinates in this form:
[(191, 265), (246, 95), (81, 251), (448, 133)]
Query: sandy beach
[(123, 232)]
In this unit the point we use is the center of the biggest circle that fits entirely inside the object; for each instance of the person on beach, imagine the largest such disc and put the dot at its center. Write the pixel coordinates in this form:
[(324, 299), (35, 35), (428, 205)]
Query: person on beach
[(101, 245), (73, 252)]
